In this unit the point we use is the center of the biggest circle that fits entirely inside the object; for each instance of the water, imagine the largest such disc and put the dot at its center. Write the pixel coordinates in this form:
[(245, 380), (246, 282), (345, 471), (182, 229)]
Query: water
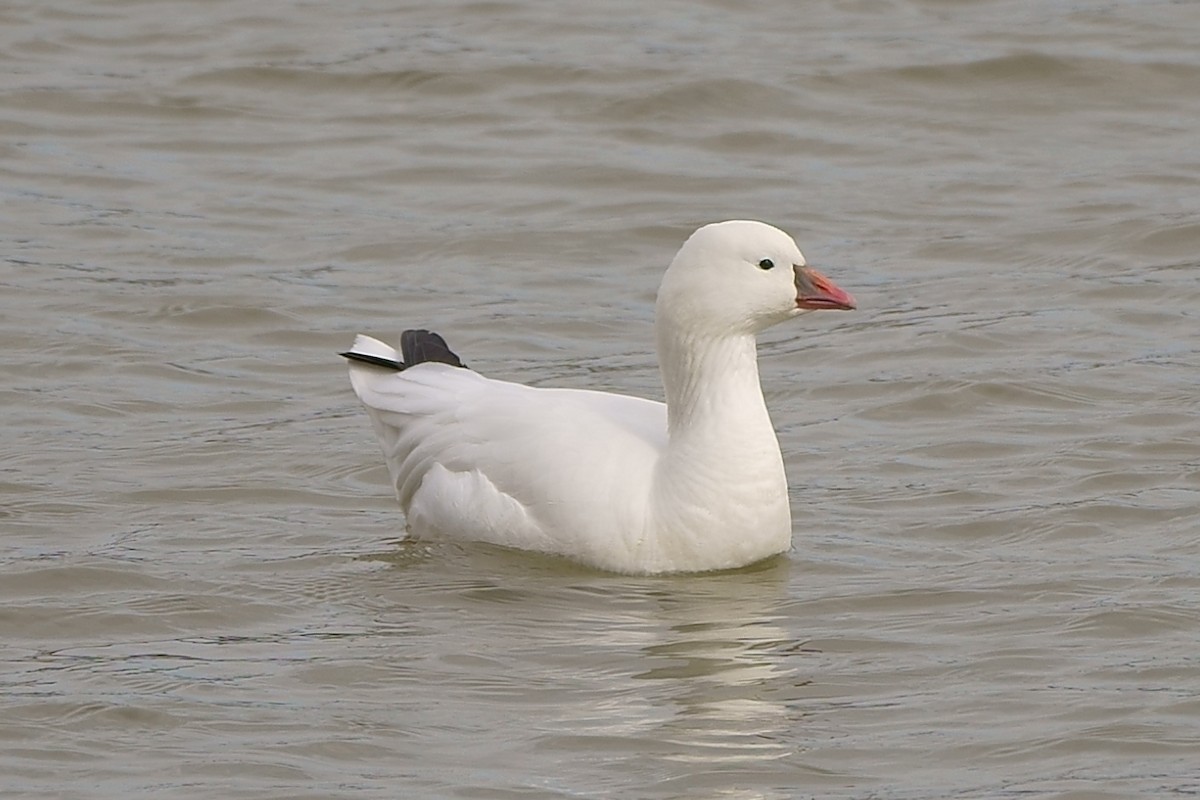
[(995, 465)]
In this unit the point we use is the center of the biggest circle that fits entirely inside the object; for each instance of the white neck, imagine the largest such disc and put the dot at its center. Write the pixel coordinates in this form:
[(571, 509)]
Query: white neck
[(710, 382), (721, 477)]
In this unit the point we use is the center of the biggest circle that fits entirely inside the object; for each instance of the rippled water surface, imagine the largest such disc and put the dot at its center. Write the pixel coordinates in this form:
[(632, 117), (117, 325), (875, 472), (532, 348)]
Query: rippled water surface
[(994, 590)]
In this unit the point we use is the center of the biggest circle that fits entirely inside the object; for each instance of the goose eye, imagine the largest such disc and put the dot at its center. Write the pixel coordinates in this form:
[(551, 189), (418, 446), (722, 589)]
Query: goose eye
[(766, 263)]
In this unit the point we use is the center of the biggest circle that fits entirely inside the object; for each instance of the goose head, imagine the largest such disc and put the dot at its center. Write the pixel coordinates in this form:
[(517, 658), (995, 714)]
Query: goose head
[(742, 277)]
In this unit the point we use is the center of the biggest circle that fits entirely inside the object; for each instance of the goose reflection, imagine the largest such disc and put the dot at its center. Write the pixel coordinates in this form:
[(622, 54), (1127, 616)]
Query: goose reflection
[(723, 671), (692, 685)]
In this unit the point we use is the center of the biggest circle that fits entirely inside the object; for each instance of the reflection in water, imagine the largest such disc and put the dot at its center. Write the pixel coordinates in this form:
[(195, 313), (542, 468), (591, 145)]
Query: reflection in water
[(692, 681), (708, 684), (722, 664)]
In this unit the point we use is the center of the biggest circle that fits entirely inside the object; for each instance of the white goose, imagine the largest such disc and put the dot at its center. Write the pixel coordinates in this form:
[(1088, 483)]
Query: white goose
[(615, 482)]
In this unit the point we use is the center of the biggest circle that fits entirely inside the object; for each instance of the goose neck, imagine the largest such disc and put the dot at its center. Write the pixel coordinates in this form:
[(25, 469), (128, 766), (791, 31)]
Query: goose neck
[(710, 381)]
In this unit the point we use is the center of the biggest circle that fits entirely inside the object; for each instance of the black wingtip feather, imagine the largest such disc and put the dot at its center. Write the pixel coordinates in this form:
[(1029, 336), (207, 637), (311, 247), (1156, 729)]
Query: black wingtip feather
[(417, 346), (378, 361)]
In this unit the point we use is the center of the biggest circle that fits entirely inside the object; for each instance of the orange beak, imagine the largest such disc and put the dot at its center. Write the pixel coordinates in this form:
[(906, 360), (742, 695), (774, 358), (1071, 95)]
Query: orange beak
[(815, 291)]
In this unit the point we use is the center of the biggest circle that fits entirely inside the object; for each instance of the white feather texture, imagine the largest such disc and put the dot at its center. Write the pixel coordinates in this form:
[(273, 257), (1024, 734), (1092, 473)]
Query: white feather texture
[(615, 482)]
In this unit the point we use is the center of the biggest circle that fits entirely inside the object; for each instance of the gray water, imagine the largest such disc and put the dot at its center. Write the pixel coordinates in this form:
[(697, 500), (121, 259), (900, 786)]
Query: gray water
[(994, 590)]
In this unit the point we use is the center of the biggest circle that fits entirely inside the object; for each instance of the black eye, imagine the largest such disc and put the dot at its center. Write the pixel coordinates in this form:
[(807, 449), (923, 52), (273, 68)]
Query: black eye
[(766, 263)]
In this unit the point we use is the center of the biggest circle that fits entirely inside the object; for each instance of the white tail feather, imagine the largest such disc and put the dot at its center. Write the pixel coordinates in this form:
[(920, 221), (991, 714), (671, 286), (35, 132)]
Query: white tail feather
[(369, 346)]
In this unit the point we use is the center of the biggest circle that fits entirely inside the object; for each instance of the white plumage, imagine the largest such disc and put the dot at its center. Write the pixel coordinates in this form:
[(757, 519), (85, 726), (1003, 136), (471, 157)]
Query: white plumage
[(616, 482)]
